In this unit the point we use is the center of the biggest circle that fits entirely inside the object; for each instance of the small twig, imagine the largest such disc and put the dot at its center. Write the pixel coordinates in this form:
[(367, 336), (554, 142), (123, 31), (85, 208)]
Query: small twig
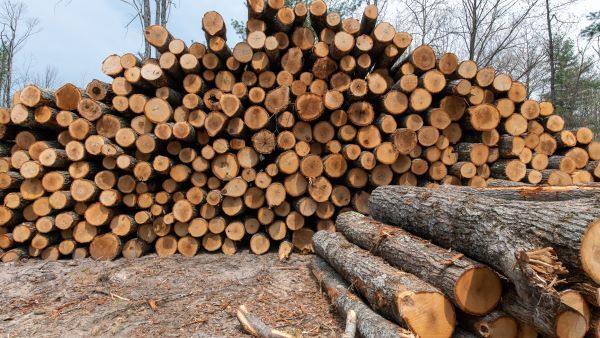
[(256, 327), (121, 298), (199, 321), (112, 295)]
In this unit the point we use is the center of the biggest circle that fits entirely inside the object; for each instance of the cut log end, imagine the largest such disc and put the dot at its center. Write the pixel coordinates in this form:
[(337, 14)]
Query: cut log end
[(259, 244), (105, 247), (575, 301), (309, 106), (501, 326), (570, 323), (429, 313), (590, 251), (478, 290)]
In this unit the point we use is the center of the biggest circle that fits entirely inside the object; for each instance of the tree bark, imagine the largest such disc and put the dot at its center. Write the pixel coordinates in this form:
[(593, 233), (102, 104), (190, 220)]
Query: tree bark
[(551, 58), (146, 23), (369, 323), (495, 324), (541, 193), (508, 239), (395, 294), (473, 287)]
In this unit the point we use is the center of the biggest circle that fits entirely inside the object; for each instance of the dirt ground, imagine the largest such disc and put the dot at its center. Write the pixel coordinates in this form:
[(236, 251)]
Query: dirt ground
[(153, 296)]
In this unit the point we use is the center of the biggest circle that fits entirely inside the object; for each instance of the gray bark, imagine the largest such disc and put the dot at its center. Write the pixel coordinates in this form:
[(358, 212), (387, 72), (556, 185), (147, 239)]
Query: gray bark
[(490, 230), (551, 53), (165, 5), (506, 183), (390, 292), (498, 232), (369, 323), (146, 23), (437, 266), (157, 11), (539, 194)]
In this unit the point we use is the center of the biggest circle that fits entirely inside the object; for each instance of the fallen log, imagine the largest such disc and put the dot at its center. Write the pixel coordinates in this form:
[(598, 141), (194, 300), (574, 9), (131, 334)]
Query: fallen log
[(368, 323), (395, 294), (473, 287), (575, 301), (460, 218), (566, 323), (541, 193), (512, 239), (590, 292)]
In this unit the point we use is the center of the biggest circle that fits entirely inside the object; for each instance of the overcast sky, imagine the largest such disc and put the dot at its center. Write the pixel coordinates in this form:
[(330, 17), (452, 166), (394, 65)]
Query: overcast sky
[(76, 35)]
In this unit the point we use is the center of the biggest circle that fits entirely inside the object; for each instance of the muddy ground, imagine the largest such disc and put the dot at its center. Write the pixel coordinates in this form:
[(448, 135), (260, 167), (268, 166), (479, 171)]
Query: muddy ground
[(153, 296)]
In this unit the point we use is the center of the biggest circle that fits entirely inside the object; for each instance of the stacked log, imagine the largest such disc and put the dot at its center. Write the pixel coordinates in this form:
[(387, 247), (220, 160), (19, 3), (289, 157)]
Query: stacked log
[(550, 236), (463, 242), (209, 146)]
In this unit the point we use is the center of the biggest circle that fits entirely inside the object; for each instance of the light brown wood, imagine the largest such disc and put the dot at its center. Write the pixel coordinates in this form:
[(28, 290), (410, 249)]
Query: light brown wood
[(205, 146)]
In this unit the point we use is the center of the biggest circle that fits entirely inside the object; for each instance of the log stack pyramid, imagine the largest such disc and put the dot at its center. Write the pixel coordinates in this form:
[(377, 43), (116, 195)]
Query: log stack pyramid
[(260, 144)]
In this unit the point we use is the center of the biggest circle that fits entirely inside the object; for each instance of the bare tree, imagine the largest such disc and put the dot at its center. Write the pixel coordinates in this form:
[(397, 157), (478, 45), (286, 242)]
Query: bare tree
[(592, 31), (142, 13), (551, 10), (488, 27), (16, 30), (527, 62), (426, 20), (28, 74), (551, 52), (47, 78)]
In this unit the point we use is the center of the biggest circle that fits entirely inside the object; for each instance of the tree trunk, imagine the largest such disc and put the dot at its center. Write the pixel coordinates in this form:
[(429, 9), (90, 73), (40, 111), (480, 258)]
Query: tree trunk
[(473, 287), (369, 323), (146, 21), (551, 58), (570, 226), (164, 14), (538, 193), (495, 238), (567, 322), (395, 294)]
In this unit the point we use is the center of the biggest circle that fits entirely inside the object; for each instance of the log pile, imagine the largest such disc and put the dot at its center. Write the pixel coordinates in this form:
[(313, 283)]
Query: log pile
[(493, 262), (211, 146)]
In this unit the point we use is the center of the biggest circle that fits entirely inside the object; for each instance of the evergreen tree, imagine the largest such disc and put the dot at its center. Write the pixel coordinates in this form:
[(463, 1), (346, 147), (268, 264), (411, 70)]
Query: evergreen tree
[(577, 85), (593, 30)]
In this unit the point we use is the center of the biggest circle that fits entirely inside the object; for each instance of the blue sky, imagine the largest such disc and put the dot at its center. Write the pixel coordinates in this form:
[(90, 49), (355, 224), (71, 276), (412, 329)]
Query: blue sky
[(76, 35)]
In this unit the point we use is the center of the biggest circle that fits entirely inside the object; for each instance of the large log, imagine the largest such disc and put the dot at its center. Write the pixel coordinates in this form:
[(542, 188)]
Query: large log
[(369, 323), (397, 295), (511, 239), (569, 226), (473, 287), (542, 193)]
